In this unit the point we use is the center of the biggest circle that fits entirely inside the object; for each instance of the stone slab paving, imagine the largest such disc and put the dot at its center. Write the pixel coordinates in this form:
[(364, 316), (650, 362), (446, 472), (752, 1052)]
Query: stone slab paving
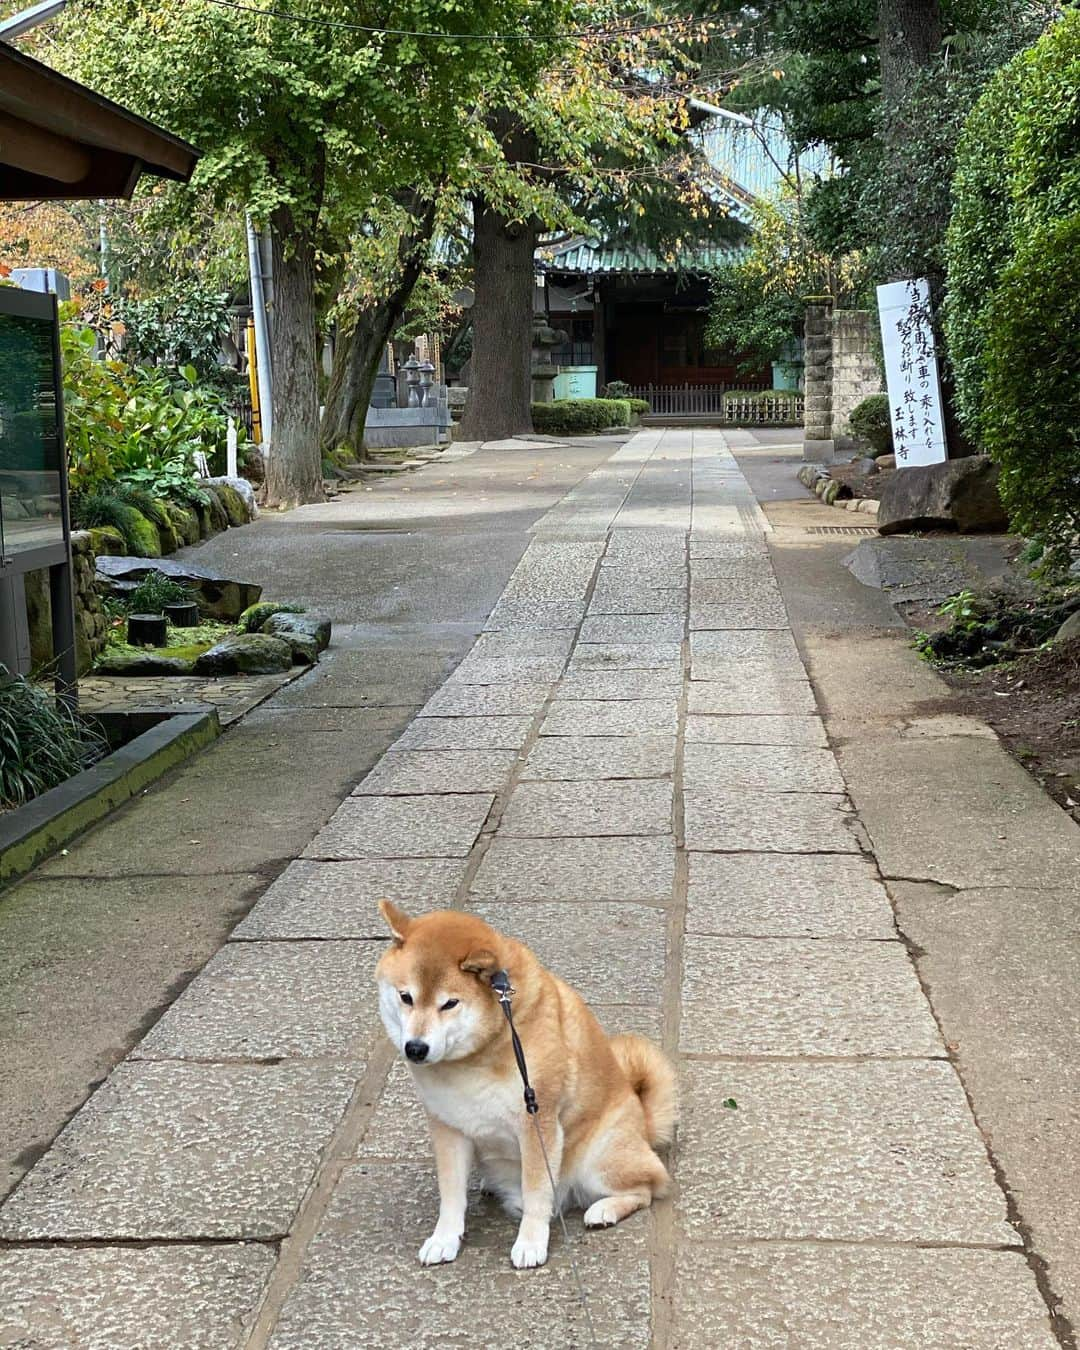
[(883, 1152), (572, 869), (554, 810), (787, 895), (268, 1000), (358, 1288), (405, 772), (800, 996), (628, 772), (751, 730), (610, 717), (441, 826), (339, 899), (854, 1298), (183, 1151), (597, 757), (465, 733), (200, 1298), (731, 820), (765, 768)]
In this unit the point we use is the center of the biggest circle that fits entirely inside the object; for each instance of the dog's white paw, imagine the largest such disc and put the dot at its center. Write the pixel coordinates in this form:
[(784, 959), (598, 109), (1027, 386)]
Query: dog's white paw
[(440, 1247), (528, 1253), (602, 1213)]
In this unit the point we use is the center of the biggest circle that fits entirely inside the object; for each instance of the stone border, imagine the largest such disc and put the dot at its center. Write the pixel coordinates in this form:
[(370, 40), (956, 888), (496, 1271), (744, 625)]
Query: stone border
[(821, 483), (30, 833)]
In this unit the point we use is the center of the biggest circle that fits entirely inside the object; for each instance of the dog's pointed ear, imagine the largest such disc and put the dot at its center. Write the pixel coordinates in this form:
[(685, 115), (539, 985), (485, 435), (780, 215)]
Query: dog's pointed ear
[(398, 922), (481, 962)]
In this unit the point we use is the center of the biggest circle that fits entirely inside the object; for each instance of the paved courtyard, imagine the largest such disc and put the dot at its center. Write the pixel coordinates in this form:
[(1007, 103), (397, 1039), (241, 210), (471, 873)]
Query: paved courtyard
[(629, 772)]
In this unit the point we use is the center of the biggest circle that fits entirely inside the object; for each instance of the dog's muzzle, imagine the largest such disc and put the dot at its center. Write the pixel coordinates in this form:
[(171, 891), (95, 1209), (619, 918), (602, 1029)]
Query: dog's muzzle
[(417, 1051)]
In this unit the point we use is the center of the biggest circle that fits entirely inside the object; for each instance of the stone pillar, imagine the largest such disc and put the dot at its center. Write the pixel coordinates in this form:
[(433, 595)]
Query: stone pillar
[(855, 369), (818, 446)]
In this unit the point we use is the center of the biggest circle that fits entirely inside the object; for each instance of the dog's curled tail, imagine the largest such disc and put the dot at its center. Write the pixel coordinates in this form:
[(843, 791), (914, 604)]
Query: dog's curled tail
[(653, 1079)]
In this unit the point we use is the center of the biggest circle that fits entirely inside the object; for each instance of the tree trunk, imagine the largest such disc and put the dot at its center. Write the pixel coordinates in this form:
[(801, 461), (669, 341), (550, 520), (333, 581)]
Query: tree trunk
[(910, 34), (357, 352), (500, 382), (294, 468)]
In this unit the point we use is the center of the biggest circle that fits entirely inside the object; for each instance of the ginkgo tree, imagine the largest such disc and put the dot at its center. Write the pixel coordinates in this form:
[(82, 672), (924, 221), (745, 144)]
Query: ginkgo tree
[(307, 118)]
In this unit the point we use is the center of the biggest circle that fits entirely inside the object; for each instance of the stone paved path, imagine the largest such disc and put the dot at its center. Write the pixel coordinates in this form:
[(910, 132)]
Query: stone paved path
[(628, 771)]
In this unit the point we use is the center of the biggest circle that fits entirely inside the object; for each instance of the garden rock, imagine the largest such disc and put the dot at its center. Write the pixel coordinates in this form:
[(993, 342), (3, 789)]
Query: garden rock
[(230, 489), (253, 618), (213, 517), (106, 540), (246, 654), (219, 597), (961, 494), (185, 520), (143, 663), (1069, 629), (309, 627)]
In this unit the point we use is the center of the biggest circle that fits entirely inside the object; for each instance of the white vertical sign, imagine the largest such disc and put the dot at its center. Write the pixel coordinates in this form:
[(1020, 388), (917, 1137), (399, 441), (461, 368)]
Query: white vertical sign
[(911, 372)]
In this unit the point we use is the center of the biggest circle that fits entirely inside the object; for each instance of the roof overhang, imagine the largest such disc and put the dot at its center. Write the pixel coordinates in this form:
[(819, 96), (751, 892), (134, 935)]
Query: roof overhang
[(60, 140)]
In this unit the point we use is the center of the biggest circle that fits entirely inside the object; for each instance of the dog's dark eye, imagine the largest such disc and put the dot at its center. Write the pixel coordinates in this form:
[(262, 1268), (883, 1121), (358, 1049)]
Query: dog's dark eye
[(407, 998), (450, 1003)]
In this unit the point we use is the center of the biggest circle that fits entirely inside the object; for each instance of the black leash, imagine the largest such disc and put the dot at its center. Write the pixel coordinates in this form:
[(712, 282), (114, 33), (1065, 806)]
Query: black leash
[(500, 982)]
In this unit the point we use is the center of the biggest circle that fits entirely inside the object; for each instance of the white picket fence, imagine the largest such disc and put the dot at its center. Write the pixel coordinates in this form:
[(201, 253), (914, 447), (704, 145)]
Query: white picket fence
[(742, 406)]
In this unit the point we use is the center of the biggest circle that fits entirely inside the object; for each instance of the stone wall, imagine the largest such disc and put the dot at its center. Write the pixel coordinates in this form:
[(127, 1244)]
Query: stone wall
[(855, 373), (90, 621)]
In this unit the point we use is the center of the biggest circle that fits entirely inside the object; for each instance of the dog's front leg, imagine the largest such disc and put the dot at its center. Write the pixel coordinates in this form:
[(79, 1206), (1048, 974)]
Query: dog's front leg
[(537, 1198), (453, 1162)]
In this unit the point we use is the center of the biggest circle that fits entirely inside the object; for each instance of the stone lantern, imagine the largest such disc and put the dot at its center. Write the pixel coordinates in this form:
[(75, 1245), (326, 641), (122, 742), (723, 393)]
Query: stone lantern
[(544, 339)]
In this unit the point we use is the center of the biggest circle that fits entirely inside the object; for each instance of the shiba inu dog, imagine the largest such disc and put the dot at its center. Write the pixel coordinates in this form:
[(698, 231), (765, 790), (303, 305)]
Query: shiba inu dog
[(604, 1103)]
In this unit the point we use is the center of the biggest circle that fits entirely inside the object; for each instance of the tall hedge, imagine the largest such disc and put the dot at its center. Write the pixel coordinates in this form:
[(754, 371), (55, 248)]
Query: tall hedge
[(1032, 385), (1013, 277)]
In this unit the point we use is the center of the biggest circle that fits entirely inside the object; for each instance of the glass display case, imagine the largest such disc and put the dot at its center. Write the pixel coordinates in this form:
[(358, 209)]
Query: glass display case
[(34, 525)]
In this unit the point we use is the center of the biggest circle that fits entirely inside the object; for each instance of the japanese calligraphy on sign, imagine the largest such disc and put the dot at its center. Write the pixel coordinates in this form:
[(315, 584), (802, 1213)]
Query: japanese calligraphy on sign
[(911, 372)]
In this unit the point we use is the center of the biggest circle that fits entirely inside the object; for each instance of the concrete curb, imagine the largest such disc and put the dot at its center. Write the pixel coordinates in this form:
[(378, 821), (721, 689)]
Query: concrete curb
[(31, 833)]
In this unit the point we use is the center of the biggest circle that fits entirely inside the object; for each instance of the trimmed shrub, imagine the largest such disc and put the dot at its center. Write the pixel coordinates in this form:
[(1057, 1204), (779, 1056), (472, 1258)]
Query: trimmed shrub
[(1033, 383), (1011, 312), (639, 407), (871, 421), (580, 416)]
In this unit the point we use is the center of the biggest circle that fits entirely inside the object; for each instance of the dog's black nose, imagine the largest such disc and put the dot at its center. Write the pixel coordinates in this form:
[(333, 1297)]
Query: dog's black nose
[(416, 1051)]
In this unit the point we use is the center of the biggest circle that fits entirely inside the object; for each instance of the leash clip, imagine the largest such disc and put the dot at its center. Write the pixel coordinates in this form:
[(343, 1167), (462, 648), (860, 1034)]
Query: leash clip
[(500, 982)]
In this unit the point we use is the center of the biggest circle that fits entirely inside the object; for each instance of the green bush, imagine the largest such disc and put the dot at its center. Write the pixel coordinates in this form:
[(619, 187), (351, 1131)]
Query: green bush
[(871, 421), (615, 389), (1033, 383), (42, 743), (1013, 273), (639, 407), (580, 416), (136, 423)]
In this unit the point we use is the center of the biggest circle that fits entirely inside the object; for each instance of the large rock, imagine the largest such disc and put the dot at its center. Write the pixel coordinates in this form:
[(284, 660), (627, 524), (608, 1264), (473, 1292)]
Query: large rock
[(310, 627), (960, 494), (219, 597), (229, 489), (1069, 629), (246, 654)]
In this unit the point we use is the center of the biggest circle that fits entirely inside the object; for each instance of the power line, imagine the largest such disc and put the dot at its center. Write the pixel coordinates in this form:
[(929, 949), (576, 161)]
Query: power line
[(286, 17)]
